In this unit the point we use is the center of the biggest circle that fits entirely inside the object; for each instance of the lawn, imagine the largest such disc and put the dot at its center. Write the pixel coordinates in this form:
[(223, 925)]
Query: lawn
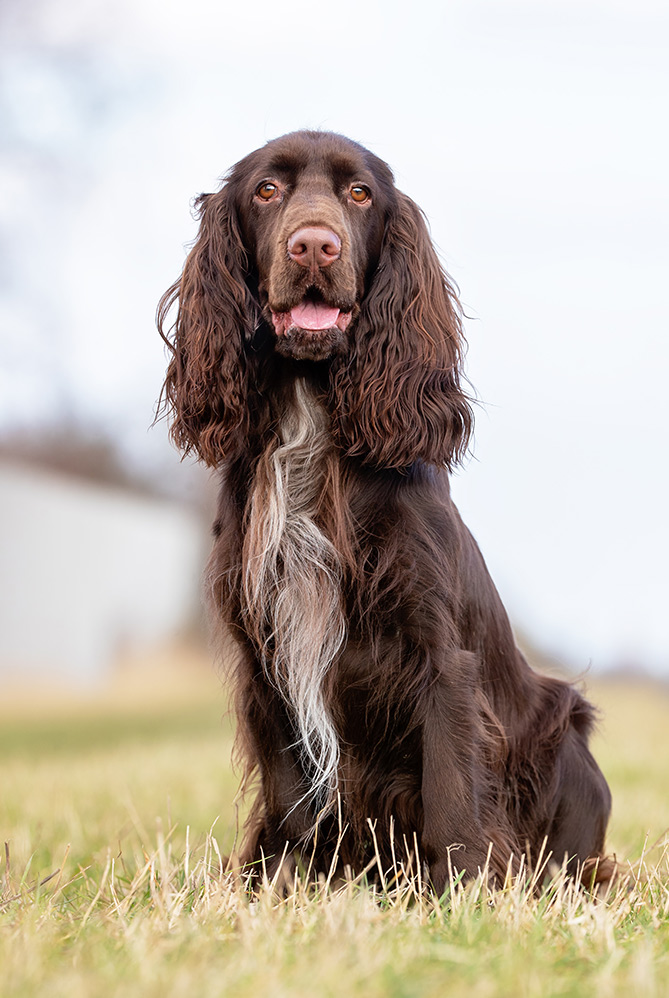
[(116, 810)]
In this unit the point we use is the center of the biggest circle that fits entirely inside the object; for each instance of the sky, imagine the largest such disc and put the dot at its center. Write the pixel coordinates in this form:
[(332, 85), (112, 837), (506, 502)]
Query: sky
[(533, 136)]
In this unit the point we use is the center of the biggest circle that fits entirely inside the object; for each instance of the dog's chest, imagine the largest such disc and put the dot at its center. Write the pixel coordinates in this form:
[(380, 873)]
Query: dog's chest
[(292, 579), (284, 539)]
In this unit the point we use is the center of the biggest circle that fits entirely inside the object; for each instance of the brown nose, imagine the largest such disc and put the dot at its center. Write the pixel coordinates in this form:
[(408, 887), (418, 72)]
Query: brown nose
[(314, 247)]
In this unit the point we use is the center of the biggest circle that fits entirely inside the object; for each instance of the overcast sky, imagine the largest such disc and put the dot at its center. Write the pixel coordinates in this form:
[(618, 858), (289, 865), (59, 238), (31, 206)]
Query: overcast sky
[(533, 135)]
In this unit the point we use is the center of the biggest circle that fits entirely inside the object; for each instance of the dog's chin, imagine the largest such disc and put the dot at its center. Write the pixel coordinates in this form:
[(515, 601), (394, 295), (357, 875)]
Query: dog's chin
[(311, 329), (311, 344)]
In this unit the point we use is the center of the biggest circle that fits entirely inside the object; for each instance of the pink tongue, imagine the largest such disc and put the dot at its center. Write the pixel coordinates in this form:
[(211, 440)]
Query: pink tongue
[(314, 315)]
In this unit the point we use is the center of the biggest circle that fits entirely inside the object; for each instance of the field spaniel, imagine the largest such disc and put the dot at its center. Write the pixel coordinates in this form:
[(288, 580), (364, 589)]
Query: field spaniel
[(316, 361)]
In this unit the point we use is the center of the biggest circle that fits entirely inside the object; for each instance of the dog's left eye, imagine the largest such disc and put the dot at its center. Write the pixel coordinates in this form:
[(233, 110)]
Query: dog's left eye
[(359, 194), (267, 191)]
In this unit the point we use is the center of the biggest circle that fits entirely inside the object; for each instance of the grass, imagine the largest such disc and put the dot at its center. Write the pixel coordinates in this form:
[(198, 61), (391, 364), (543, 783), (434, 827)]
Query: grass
[(117, 810)]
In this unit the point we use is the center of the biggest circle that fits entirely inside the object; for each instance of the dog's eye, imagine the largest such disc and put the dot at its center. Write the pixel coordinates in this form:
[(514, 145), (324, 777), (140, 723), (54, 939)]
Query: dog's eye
[(267, 191), (360, 194)]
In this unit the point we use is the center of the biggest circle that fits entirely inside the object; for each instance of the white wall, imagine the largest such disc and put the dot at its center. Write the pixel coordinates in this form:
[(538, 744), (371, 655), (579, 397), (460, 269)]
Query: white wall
[(86, 571)]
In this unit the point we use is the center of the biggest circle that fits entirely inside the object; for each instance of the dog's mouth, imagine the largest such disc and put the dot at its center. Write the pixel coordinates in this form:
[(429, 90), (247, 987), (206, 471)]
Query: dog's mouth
[(312, 316)]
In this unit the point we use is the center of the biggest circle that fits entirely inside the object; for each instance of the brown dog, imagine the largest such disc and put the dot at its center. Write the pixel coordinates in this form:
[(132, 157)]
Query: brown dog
[(316, 360)]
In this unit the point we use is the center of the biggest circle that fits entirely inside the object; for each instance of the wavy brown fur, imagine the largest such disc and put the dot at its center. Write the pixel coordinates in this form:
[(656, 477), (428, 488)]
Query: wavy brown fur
[(375, 669)]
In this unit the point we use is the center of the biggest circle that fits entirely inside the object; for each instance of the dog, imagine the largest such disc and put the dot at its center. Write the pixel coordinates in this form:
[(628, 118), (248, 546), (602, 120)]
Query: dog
[(316, 361)]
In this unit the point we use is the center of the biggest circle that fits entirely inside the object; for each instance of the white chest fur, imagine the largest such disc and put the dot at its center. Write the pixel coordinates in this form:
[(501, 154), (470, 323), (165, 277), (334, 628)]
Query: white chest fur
[(292, 583)]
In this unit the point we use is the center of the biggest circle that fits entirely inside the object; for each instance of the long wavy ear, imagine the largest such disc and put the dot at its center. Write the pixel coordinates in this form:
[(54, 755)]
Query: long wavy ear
[(206, 386), (398, 399)]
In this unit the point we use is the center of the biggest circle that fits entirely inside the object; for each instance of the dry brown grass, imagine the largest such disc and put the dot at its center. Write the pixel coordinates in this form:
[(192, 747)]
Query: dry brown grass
[(142, 905)]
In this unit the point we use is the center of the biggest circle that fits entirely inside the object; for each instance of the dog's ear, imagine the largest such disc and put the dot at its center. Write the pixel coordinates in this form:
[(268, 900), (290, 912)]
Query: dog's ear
[(207, 383), (398, 399)]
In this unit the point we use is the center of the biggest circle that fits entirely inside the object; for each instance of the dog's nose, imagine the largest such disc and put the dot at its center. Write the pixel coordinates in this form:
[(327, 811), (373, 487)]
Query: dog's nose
[(314, 247)]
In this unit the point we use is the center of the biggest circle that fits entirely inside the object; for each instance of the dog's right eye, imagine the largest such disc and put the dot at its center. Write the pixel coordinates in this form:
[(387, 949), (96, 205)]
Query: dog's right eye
[(267, 191)]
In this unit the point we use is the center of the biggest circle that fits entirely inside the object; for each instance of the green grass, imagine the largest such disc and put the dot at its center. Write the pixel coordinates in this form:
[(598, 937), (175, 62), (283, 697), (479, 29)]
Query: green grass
[(131, 800)]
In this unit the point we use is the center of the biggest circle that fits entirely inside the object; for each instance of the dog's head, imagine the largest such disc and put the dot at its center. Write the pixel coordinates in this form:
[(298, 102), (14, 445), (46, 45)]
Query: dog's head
[(312, 208), (309, 250)]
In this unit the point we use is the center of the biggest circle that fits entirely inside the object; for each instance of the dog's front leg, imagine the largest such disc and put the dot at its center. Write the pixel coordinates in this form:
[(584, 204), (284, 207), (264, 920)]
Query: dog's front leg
[(281, 820), (453, 839)]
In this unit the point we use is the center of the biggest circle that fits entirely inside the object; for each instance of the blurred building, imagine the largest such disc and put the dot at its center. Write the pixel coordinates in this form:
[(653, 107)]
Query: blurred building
[(89, 572)]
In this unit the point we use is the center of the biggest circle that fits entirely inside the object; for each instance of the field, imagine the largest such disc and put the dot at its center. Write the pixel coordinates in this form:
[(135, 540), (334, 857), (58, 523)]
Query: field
[(116, 810)]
